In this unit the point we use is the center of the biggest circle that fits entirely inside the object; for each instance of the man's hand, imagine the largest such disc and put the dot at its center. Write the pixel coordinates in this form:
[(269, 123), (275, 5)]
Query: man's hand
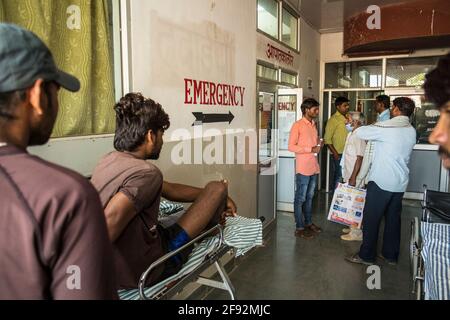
[(336, 156), (316, 150), (352, 182), (231, 209)]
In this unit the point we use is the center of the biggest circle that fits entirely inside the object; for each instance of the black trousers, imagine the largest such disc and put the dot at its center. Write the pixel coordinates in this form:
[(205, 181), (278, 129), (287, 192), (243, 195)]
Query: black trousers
[(381, 203)]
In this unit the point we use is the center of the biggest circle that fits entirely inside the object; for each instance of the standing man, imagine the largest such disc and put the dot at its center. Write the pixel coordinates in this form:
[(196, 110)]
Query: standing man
[(353, 152), (335, 137), (437, 90), (304, 141), (382, 107), (53, 238), (388, 180), (352, 160)]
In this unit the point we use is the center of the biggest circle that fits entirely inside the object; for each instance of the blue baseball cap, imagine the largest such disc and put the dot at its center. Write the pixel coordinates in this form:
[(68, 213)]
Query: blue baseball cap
[(24, 58)]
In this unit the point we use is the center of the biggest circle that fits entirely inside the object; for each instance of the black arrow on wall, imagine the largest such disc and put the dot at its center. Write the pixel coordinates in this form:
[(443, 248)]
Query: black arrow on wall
[(201, 118)]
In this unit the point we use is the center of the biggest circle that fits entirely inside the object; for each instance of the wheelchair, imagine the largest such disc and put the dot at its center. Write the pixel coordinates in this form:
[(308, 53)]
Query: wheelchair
[(435, 210)]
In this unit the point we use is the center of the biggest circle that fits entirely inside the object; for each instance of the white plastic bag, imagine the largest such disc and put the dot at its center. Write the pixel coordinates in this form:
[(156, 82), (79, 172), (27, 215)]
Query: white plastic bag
[(347, 206)]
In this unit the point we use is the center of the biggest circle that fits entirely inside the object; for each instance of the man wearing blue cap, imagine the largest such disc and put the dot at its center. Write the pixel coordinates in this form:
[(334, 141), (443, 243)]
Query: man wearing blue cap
[(53, 238)]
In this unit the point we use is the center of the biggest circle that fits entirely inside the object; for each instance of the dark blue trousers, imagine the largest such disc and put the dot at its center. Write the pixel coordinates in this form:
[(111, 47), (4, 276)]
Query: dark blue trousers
[(379, 204)]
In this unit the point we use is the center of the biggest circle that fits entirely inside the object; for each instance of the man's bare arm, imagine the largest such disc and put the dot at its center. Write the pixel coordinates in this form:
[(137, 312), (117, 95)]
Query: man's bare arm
[(180, 192), (183, 193), (333, 151), (356, 169), (119, 212)]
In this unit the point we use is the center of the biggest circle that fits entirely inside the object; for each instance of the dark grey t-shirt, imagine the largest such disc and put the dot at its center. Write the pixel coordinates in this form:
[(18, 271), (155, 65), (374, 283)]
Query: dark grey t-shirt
[(53, 238)]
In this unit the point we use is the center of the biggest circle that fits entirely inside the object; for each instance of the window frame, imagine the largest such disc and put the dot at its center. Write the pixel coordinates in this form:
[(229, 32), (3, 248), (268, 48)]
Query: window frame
[(282, 5), (291, 11), (278, 21), (291, 73)]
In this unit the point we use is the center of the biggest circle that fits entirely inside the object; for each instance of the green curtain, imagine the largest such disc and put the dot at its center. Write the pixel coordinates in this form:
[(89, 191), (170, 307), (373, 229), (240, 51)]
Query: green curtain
[(85, 52)]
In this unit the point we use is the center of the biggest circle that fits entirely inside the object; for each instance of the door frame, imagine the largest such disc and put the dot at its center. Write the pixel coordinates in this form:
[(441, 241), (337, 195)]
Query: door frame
[(272, 88)]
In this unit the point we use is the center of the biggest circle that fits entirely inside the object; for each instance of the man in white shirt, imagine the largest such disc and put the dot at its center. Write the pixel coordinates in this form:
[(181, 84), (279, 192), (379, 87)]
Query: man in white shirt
[(351, 164), (353, 152), (388, 180)]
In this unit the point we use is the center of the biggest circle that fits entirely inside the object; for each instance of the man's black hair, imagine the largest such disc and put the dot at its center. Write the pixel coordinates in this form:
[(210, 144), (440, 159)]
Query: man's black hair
[(437, 84), (341, 100), (308, 104), (405, 105), (385, 100), (135, 116)]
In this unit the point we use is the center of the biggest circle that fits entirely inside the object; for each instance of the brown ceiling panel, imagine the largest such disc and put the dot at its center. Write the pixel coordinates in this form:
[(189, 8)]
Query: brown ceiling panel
[(407, 26)]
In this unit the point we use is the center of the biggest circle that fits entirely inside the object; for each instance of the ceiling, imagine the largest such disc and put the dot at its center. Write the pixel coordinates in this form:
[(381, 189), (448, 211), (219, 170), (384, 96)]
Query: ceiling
[(328, 15)]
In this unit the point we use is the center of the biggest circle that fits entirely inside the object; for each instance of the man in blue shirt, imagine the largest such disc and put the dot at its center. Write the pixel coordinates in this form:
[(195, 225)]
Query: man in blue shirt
[(388, 180), (382, 107)]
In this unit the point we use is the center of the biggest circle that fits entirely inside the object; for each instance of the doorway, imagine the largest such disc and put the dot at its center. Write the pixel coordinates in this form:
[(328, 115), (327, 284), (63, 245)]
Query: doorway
[(278, 109)]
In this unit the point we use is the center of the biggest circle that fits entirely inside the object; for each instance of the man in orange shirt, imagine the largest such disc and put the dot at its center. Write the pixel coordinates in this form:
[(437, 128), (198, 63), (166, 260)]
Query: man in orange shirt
[(304, 141)]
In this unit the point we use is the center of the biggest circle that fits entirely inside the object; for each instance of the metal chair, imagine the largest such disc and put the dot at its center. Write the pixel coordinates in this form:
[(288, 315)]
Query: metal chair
[(435, 209)]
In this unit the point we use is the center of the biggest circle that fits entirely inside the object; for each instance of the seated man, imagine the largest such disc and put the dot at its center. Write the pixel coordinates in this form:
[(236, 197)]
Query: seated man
[(130, 189), (352, 160)]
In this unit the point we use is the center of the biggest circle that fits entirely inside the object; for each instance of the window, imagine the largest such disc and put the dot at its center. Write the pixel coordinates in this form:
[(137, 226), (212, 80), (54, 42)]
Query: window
[(268, 17), (271, 22), (80, 36), (289, 29), (409, 72), (267, 72), (290, 78), (357, 74)]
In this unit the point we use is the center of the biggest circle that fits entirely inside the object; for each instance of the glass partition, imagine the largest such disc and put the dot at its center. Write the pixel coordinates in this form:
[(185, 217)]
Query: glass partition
[(409, 72), (268, 17), (289, 78), (356, 74), (289, 29), (266, 125), (425, 118), (267, 72), (287, 115)]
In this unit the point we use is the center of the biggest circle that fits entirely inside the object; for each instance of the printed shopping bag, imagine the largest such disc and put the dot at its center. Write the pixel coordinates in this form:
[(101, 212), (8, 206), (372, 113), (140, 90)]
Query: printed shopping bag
[(348, 206)]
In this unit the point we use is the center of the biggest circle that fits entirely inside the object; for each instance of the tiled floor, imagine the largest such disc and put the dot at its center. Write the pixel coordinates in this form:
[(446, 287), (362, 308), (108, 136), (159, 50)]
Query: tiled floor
[(292, 268)]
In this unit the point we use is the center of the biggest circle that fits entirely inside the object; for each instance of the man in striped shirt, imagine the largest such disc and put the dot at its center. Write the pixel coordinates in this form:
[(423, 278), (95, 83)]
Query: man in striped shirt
[(305, 143)]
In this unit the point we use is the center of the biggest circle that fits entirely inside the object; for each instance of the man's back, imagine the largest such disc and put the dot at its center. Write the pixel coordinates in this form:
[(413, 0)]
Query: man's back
[(354, 147), (53, 238), (392, 153), (140, 244)]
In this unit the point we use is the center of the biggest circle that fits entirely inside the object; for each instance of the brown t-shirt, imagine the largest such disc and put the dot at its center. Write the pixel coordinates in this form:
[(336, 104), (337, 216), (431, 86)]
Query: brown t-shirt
[(53, 238), (140, 243)]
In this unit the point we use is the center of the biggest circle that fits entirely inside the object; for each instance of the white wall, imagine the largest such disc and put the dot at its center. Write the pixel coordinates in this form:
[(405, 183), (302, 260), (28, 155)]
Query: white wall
[(331, 47), (197, 39), (309, 60)]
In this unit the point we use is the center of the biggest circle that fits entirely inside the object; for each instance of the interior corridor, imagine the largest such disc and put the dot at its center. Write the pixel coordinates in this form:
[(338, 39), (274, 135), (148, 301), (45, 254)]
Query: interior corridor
[(290, 268)]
